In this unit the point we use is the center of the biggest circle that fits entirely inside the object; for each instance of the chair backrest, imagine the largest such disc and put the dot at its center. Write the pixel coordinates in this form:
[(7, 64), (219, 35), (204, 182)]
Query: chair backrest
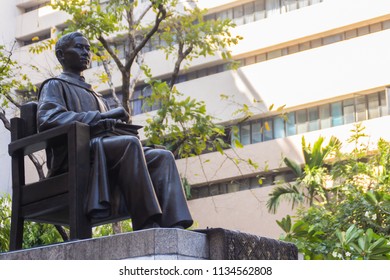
[(28, 112), (26, 124)]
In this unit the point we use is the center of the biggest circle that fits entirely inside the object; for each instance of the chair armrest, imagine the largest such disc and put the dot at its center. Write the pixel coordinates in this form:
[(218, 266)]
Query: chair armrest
[(40, 141)]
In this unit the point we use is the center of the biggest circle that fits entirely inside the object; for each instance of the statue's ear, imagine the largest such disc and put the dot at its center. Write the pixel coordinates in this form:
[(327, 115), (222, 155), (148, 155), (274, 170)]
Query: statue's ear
[(60, 55)]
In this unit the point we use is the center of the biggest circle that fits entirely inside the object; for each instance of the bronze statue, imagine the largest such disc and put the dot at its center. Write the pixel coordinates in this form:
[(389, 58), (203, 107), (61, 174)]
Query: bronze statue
[(125, 177)]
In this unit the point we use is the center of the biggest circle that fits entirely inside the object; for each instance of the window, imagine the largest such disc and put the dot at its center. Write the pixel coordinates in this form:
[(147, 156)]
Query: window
[(293, 49), (238, 15), (316, 43), (279, 127), (361, 108), (36, 7), (256, 132), (274, 54), (303, 3), (301, 121), (249, 10), (37, 38), (290, 5), (332, 39), (373, 106), (313, 119), (268, 130), (325, 120), (245, 134), (272, 7), (337, 114), (290, 124), (304, 46), (261, 57), (259, 9), (363, 30), (350, 34), (349, 111), (383, 103), (136, 102)]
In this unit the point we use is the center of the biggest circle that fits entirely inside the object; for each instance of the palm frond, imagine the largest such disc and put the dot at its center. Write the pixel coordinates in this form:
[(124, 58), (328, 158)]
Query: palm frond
[(287, 192)]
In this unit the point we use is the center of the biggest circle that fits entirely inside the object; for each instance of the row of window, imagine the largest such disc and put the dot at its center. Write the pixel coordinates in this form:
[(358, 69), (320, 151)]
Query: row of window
[(351, 110), (376, 27), (260, 9), (242, 14), (241, 184), (346, 35), (35, 39), (138, 101), (36, 7)]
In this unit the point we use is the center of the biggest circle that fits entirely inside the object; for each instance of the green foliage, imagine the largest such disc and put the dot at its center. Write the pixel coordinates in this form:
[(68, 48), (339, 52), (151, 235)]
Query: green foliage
[(311, 178), (182, 124), (11, 78), (108, 229), (34, 234), (188, 36), (350, 217)]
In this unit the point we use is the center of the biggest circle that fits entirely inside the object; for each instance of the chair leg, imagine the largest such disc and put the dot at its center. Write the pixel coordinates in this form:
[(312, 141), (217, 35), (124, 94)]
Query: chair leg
[(16, 235), (81, 231)]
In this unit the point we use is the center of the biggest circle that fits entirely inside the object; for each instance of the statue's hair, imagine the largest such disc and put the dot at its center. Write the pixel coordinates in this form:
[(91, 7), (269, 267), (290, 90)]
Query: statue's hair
[(66, 40)]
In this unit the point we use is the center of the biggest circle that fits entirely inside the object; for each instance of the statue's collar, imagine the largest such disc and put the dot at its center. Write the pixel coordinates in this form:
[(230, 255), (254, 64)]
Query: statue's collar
[(75, 79)]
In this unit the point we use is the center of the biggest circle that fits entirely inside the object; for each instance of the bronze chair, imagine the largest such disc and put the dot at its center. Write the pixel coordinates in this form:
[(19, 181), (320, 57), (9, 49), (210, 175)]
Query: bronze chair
[(57, 200)]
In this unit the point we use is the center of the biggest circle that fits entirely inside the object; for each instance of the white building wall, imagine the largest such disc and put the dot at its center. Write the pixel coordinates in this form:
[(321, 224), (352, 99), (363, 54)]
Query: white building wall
[(299, 80), (8, 13)]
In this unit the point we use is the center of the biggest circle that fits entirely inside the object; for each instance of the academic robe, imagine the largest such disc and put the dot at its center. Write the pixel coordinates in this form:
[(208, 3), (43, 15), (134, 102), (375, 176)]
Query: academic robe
[(125, 178)]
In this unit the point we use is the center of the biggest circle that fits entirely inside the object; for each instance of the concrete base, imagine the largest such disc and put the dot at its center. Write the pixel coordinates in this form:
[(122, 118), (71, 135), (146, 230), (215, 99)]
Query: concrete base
[(163, 244)]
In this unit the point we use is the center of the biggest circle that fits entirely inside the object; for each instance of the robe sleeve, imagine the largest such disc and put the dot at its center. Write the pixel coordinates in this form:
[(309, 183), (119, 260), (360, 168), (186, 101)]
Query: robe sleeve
[(53, 109)]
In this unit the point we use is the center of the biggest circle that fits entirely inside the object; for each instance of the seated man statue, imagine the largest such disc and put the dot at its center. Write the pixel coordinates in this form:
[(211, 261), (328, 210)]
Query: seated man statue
[(125, 178)]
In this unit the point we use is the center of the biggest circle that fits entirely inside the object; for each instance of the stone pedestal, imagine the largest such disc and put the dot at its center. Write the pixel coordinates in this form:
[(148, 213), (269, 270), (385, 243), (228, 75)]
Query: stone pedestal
[(164, 244)]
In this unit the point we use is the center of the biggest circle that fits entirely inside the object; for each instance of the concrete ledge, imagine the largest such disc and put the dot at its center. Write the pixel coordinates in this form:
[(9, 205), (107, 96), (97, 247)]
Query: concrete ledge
[(146, 244), (164, 244), (234, 245)]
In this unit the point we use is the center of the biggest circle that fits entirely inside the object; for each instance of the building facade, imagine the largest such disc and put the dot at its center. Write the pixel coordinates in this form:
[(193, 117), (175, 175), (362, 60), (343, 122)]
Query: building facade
[(323, 61)]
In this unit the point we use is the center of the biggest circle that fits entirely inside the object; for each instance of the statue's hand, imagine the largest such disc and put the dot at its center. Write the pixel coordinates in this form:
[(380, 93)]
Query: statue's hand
[(117, 113)]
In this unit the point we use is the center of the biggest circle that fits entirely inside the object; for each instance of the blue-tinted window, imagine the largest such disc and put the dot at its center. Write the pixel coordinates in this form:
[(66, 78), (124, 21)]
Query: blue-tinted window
[(290, 124), (245, 134), (268, 130), (279, 127), (337, 113), (256, 132)]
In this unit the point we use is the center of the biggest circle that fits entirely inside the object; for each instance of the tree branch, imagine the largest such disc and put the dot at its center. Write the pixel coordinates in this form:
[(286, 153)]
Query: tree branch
[(62, 232), (4, 119), (109, 76), (107, 47), (161, 15)]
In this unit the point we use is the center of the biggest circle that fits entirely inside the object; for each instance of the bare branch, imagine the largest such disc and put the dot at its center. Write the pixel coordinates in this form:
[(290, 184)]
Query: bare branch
[(137, 22), (161, 15), (38, 166), (4, 119), (8, 60), (12, 100), (110, 83), (180, 58), (135, 79), (62, 232), (112, 53)]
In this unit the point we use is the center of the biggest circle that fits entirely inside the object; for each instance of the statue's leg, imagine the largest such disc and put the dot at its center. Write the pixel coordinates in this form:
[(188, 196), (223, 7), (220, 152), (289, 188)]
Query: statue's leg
[(169, 189), (126, 162)]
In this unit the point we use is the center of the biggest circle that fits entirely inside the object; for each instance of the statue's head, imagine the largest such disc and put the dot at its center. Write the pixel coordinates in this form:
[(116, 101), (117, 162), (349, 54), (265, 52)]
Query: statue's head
[(73, 52)]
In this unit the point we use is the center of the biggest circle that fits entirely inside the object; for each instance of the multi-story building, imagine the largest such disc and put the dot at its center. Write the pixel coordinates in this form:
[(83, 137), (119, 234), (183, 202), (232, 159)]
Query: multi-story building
[(323, 61)]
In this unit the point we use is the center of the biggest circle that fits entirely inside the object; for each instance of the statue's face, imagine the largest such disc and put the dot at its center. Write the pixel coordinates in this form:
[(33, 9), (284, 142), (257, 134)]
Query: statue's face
[(77, 56)]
